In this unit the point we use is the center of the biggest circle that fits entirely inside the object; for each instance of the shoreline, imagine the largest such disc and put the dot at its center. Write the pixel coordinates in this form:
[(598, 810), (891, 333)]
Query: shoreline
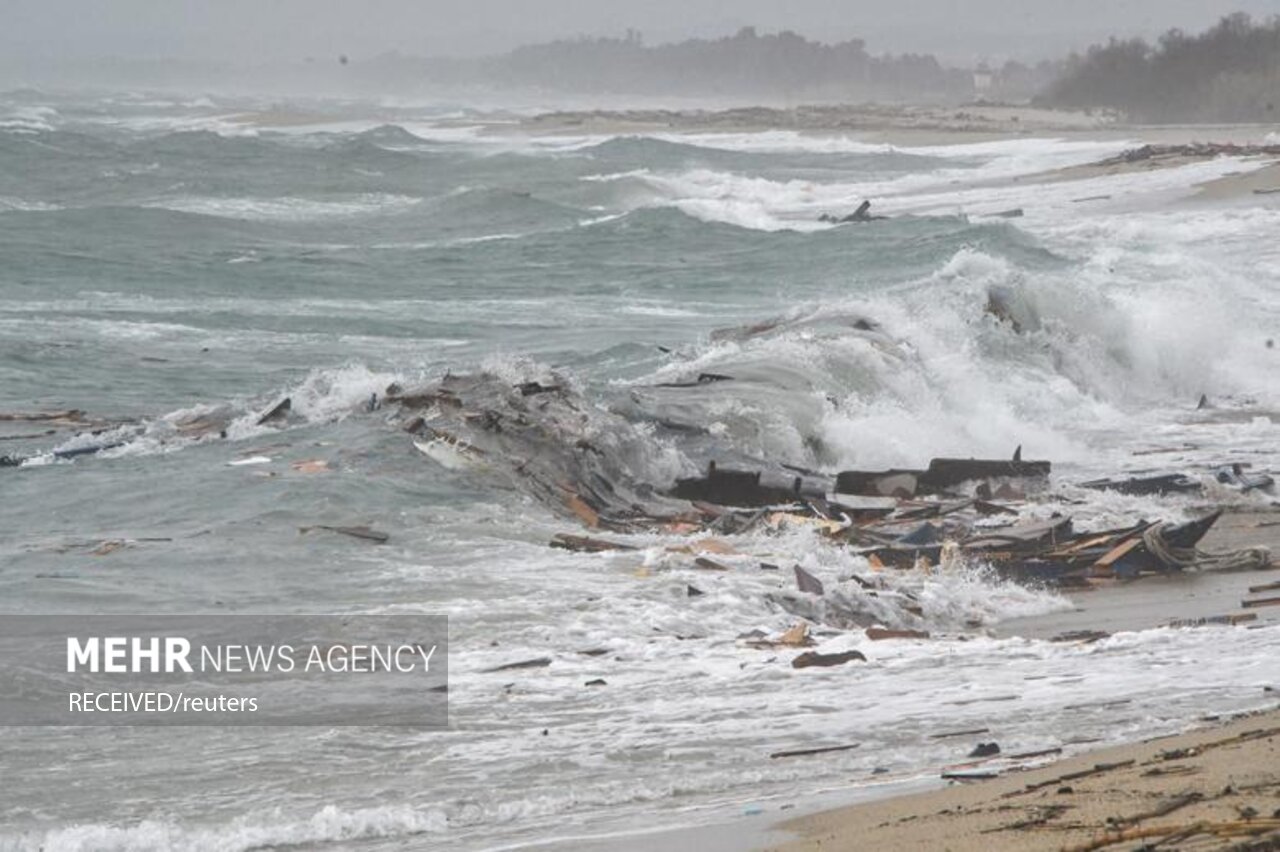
[(1224, 775)]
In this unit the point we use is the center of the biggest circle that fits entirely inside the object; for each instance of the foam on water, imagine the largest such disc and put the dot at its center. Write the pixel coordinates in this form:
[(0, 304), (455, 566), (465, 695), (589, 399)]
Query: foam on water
[(330, 824), (289, 209)]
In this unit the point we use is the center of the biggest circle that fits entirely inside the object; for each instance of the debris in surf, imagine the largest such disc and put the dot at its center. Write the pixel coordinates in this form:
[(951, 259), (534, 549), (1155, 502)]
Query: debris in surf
[(808, 583), (878, 634), (277, 413), (810, 659), (311, 466), (862, 214), (1160, 485), (1227, 620), (360, 532), (249, 461), (585, 544), (536, 663), (1235, 476), (807, 752)]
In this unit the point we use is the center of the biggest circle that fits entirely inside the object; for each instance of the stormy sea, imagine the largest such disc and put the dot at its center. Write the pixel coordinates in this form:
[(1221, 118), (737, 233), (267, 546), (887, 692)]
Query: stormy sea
[(173, 268)]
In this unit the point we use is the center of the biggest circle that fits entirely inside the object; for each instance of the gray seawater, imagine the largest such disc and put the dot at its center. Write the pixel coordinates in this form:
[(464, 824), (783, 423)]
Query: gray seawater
[(162, 257)]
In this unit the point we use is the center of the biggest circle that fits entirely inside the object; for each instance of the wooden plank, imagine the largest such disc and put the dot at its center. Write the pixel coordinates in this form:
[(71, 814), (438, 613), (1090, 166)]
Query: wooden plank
[(1118, 552), (804, 752), (1265, 587), (1260, 602)]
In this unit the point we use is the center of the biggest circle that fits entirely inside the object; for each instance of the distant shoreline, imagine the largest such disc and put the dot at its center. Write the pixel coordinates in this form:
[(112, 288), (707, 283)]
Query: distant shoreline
[(882, 123)]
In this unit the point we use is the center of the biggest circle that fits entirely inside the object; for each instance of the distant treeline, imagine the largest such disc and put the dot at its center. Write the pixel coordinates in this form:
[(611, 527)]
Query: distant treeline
[(1230, 72), (782, 65)]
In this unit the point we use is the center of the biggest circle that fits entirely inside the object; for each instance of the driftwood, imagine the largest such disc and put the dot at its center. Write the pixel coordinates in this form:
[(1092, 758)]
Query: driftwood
[(805, 752), (361, 532)]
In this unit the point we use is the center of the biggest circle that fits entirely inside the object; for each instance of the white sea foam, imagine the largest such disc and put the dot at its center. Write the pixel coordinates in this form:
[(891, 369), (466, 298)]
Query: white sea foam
[(331, 824), (288, 209)]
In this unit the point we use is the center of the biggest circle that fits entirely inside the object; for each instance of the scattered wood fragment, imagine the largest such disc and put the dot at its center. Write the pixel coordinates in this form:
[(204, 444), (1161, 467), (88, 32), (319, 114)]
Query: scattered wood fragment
[(536, 663), (1265, 587), (970, 775), (1243, 828), (709, 564), (877, 634), (1098, 769), (69, 415), (110, 546), (1083, 636), (586, 544), (1229, 620), (1099, 705), (811, 659), (805, 752), (797, 636), (277, 412), (1257, 602), (590, 517), (360, 532), (808, 583), (1163, 809), (1031, 755), (311, 466)]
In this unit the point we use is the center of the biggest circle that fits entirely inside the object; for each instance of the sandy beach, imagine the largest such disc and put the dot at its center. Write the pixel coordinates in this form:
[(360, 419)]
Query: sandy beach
[(1214, 788), (1224, 774)]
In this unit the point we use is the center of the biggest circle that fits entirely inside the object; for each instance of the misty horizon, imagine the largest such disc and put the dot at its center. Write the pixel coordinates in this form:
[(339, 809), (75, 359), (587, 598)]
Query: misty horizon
[(238, 33)]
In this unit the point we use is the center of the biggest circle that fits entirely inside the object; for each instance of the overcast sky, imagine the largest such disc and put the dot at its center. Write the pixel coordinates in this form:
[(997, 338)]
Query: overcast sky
[(243, 31)]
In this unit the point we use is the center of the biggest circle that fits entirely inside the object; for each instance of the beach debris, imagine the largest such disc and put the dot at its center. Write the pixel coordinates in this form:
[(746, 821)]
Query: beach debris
[(807, 752), (1196, 150), (311, 466), (596, 682), (1265, 587), (877, 634), (1169, 483), (1084, 637), (970, 774), (360, 532), (808, 583), (862, 214), (1257, 602), (1227, 620), (535, 663), (249, 461), (277, 413), (551, 443), (985, 750), (941, 475), (1235, 476), (109, 546), (585, 544), (810, 659), (693, 591), (797, 636)]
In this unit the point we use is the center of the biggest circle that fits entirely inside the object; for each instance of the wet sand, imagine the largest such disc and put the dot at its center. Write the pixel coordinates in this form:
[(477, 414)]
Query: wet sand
[(1216, 788)]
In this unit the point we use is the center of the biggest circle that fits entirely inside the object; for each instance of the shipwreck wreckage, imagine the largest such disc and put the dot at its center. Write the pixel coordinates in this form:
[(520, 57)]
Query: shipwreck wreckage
[(594, 464), (895, 518)]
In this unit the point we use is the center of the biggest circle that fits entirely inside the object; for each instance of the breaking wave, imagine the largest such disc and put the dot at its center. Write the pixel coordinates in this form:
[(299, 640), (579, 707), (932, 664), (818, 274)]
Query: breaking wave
[(259, 831)]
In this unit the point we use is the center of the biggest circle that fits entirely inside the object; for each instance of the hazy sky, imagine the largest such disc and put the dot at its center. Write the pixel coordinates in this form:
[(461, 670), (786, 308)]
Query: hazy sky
[(270, 30)]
